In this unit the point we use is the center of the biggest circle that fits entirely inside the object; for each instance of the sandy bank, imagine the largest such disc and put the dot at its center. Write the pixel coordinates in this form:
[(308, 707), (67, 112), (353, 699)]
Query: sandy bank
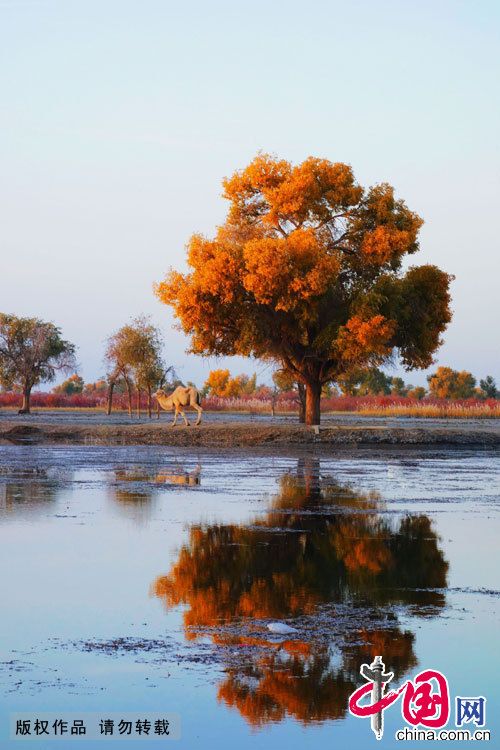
[(251, 434)]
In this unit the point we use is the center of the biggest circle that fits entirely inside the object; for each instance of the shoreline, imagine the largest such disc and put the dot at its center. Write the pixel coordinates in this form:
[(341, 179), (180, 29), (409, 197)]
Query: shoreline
[(229, 435)]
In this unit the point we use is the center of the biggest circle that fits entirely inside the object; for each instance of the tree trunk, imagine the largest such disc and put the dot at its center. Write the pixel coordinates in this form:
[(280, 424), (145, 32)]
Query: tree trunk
[(138, 409), (302, 402), (149, 401), (129, 394), (313, 399), (25, 408), (110, 398)]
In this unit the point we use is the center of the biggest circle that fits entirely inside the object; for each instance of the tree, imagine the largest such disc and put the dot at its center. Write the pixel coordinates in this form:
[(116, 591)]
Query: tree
[(307, 271), (300, 555), (31, 352), (448, 383), (247, 384), (73, 384), (284, 381), (220, 384), (398, 387), (330, 390), (216, 383), (100, 386), (133, 353), (489, 388), (419, 393), (365, 382)]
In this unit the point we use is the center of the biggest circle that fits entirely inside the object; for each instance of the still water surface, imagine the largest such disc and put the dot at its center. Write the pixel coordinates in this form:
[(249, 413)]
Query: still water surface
[(152, 579)]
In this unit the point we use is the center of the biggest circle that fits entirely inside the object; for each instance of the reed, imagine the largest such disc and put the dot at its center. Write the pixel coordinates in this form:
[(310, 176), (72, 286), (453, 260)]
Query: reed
[(371, 406)]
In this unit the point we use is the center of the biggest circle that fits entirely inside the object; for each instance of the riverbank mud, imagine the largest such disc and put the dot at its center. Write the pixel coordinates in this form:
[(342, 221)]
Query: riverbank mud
[(240, 434)]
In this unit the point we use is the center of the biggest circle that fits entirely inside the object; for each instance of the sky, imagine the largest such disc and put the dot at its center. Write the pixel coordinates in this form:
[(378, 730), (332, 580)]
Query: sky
[(120, 118)]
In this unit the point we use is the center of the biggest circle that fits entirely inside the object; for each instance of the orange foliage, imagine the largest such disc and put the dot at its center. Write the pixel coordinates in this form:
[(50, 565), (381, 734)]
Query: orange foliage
[(228, 572), (226, 575), (384, 243), (306, 271), (280, 271), (217, 382), (448, 383), (220, 384), (360, 336)]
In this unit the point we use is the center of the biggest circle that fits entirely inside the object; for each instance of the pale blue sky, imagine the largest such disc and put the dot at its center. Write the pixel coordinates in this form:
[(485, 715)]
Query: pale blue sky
[(119, 118)]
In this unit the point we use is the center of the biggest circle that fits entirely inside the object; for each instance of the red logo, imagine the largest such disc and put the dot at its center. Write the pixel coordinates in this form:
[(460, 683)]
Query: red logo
[(426, 699)]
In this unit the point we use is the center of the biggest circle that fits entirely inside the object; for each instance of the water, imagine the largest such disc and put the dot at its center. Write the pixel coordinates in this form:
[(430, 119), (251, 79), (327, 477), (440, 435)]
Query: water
[(153, 579)]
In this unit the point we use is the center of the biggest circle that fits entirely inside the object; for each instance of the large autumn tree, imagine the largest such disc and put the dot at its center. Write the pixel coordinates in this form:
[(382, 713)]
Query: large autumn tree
[(307, 271)]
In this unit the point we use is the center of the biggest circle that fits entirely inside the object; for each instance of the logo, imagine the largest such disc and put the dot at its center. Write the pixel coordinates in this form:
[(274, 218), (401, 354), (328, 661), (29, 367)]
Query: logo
[(425, 700), (377, 680)]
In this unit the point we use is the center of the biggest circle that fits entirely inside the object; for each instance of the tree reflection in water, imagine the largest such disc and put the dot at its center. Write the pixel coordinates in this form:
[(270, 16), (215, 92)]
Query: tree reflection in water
[(31, 487), (329, 557)]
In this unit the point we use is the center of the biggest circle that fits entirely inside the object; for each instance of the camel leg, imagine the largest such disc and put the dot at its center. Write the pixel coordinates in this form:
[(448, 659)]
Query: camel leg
[(184, 418), (175, 418), (199, 410)]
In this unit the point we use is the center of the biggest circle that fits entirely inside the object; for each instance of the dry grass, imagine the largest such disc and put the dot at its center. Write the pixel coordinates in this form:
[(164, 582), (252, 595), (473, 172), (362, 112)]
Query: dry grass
[(370, 406), (434, 411)]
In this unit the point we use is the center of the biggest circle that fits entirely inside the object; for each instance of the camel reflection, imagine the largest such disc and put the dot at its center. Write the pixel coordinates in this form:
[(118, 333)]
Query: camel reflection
[(134, 489), (136, 485), (190, 478), (331, 558)]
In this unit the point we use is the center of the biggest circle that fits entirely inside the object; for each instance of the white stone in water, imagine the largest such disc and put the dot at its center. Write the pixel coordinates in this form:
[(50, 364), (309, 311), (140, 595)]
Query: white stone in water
[(281, 627)]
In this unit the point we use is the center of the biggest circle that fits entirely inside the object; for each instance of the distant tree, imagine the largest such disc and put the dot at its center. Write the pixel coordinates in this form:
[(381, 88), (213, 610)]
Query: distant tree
[(234, 387), (220, 384), (133, 354), (375, 383), (119, 368), (171, 381), (73, 384), (307, 270), (284, 381), (349, 382), (365, 382), (32, 352), (419, 392), (398, 387), (216, 383), (248, 384), (489, 388), (100, 386), (329, 390), (449, 383)]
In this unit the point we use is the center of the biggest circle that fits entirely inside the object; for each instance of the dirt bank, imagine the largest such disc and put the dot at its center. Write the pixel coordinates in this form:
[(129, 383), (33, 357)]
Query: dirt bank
[(241, 434)]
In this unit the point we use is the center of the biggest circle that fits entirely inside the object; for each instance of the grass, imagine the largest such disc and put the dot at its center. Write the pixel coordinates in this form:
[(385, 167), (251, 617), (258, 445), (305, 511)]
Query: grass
[(434, 411), (370, 406)]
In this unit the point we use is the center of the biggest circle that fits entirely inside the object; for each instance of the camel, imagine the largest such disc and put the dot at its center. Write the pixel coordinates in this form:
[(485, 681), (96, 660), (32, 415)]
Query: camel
[(178, 399)]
